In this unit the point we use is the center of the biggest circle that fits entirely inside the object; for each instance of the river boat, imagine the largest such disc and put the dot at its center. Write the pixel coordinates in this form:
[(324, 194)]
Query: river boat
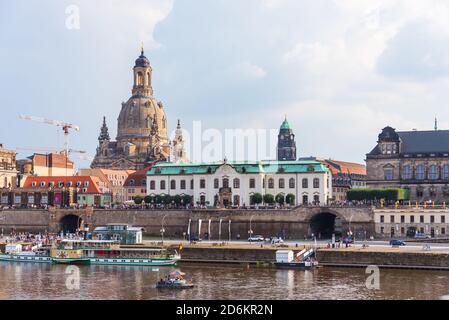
[(99, 252), (175, 280)]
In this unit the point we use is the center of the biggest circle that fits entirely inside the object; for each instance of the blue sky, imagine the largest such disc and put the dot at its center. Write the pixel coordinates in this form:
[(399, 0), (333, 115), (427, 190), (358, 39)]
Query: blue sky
[(341, 70)]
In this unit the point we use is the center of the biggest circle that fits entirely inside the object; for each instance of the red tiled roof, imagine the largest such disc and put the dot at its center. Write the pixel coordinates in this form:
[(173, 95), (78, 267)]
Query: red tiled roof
[(93, 184), (139, 178), (337, 167)]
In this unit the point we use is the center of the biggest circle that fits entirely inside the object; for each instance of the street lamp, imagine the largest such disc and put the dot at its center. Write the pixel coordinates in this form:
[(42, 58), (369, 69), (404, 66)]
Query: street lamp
[(250, 226), (163, 229)]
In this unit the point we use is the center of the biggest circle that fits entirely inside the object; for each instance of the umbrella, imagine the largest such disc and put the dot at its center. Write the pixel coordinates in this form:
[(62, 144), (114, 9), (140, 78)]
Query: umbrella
[(176, 273)]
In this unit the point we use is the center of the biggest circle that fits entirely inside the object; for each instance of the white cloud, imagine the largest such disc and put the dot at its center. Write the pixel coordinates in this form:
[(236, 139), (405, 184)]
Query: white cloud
[(248, 70)]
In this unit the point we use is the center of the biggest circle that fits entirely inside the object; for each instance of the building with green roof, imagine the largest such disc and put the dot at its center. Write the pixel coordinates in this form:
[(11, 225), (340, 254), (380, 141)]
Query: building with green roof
[(227, 183)]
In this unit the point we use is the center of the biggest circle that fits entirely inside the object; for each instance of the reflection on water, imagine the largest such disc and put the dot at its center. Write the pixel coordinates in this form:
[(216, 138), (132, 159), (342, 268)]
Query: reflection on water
[(45, 281)]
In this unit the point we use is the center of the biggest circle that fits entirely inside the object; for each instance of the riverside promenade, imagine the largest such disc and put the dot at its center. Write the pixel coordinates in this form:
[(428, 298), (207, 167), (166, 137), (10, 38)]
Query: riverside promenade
[(422, 256)]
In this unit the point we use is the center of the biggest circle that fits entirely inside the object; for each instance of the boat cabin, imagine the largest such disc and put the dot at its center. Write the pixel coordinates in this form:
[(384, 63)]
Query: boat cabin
[(123, 233)]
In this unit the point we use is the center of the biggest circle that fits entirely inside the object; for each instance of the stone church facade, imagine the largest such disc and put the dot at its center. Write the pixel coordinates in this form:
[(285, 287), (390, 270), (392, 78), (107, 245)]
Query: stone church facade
[(142, 137), (416, 160)]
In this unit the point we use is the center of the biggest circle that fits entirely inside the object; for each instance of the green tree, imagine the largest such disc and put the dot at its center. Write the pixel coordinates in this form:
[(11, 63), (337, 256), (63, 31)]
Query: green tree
[(268, 198), (257, 198), (177, 199), (280, 198), (186, 199), (148, 199), (167, 199), (158, 199), (290, 199), (138, 200)]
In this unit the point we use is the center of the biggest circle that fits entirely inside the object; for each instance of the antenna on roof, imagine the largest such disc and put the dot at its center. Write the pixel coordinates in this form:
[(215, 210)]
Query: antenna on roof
[(436, 123)]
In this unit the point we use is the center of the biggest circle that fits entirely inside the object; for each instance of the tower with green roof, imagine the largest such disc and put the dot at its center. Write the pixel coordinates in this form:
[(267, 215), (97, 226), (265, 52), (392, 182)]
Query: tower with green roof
[(286, 148)]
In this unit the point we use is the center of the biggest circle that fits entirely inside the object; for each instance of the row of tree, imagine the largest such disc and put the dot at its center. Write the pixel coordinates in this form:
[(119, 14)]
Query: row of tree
[(256, 198), (391, 194), (270, 199), (164, 199)]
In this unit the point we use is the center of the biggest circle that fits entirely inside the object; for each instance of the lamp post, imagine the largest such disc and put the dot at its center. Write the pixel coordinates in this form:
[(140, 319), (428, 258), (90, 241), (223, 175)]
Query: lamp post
[(250, 232), (163, 229)]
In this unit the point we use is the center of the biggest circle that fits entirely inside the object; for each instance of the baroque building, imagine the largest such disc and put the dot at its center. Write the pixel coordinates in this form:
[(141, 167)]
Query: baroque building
[(415, 160), (286, 148), (226, 183), (142, 137)]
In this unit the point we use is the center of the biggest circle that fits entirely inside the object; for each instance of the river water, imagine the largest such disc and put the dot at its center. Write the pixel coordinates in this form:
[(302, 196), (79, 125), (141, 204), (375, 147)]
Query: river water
[(221, 282)]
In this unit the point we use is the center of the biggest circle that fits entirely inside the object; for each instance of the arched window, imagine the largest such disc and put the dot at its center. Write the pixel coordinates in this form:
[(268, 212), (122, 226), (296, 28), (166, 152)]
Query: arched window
[(271, 183), (225, 183), (281, 183), (446, 172), (152, 185), (291, 183), (236, 200), (316, 183), (433, 172), (236, 183), (183, 184), (305, 183), (163, 185), (252, 183), (173, 184), (216, 183), (407, 172), (420, 172), (139, 79)]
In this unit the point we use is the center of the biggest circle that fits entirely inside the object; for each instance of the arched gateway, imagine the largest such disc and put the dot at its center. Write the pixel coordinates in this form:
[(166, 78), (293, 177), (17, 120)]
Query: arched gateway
[(71, 223)]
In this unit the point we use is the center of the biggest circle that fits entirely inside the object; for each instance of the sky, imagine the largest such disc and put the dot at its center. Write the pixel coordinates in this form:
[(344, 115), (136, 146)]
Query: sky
[(340, 70)]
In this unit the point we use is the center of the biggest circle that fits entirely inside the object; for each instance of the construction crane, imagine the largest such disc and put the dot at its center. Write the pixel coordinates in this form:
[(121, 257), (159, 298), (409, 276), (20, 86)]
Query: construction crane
[(65, 128), (53, 150)]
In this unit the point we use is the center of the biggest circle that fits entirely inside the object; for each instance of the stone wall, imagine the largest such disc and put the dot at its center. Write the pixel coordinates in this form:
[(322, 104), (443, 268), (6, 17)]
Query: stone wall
[(392, 259), (294, 224)]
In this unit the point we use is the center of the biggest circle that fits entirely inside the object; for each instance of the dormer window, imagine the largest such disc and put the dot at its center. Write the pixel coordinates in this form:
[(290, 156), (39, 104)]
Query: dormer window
[(78, 184), (61, 184), (33, 184), (42, 184)]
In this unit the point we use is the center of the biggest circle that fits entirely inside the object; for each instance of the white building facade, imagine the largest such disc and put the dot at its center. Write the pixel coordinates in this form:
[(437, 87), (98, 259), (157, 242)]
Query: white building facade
[(234, 183)]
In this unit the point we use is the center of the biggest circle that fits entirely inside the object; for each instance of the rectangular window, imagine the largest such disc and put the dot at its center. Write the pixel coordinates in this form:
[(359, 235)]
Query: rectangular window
[(432, 219), (382, 219), (252, 183), (382, 229), (421, 219), (443, 219), (183, 184), (202, 184), (391, 219), (402, 219), (443, 230), (412, 219)]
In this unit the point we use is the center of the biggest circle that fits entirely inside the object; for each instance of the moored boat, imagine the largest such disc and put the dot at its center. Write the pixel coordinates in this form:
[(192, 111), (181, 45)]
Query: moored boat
[(101, 252)]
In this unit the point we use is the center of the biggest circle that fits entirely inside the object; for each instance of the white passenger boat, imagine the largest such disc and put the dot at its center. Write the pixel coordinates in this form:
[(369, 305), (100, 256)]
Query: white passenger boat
[(102, 252)]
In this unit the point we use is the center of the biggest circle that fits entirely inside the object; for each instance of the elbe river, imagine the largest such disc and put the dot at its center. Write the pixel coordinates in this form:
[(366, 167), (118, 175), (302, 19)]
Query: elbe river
[(221, 282)]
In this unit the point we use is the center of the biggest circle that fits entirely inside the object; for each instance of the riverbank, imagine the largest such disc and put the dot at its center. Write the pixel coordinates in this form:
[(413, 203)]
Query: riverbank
[(352, 257)]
